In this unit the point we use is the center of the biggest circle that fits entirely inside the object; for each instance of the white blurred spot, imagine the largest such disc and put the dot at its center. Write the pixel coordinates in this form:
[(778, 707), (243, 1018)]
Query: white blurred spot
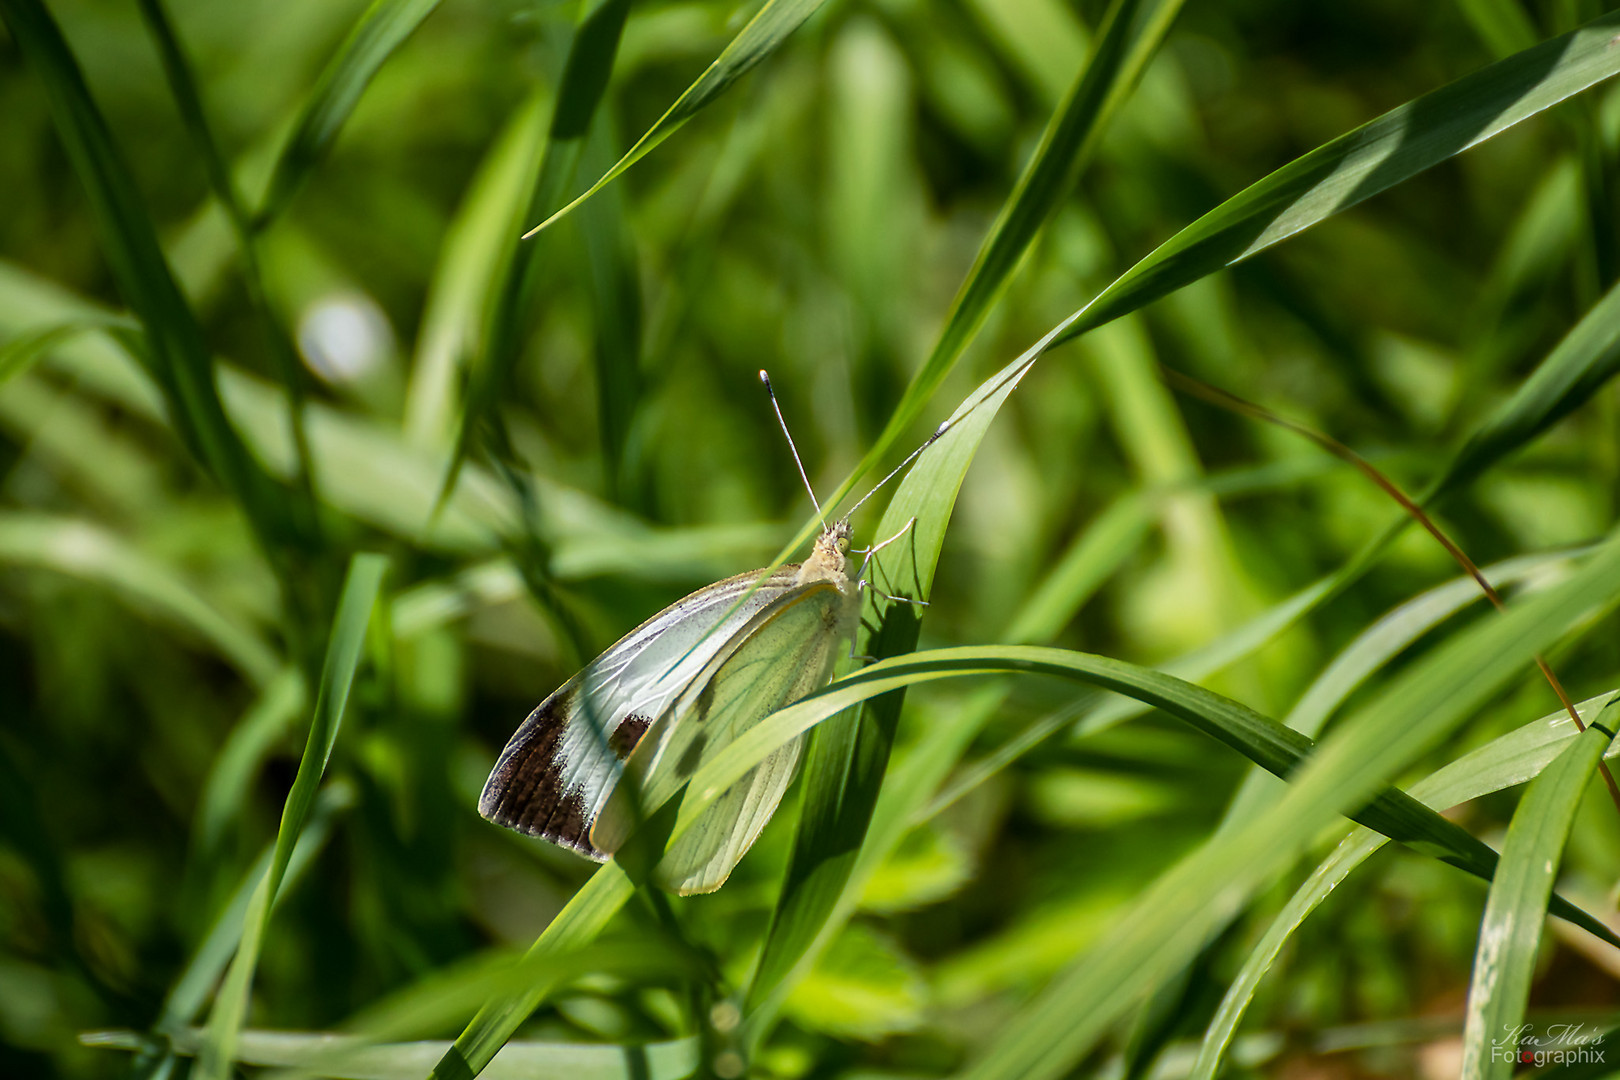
[(344, 337)]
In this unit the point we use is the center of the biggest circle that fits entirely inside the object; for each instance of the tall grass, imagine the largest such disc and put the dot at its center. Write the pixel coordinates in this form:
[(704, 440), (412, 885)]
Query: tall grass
[(1111, 801)]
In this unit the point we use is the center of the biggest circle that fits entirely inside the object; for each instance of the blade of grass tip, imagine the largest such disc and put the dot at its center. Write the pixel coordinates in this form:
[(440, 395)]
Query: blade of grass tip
[(174, 352), (189, 101), (379, 31), (846, 758), (360, 589), (757, 40), (1130, 36), (591, 55), (1174, 918), (1511, 930), (1510, 759)]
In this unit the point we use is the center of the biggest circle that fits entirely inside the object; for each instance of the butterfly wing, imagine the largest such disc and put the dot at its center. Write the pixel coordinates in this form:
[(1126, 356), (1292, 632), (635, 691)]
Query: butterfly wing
[(564, 760), (785, 651)]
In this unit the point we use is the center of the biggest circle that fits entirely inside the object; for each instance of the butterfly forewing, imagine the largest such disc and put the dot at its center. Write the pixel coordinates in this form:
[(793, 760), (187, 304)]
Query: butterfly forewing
[(785, 652), (564, 760)]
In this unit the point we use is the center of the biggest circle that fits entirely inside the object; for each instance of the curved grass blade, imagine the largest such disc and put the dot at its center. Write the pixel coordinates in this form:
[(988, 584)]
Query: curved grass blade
[(1278, 749), (382, 29), (1445, 687), (360, 589), (1175, 917), (1358, 165), (846, 758), (174, 353), (757, 40), (1505, 959), (1511, 759), (1130, 36), (84, 551)]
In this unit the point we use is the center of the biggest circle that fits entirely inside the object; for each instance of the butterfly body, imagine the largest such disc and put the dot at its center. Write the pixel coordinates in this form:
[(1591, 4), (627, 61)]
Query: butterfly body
[(676, 689)]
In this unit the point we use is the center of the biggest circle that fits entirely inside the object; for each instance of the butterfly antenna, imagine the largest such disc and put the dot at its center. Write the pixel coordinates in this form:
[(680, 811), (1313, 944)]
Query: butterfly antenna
[(766, 379), (942, 429)]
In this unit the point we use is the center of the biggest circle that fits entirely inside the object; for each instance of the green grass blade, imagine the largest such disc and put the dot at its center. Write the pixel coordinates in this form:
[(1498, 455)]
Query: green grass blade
[(190, 991), (757, 40), (85, 551), (380, 30), (177, 69), (1508, 760), (1581, 363), (1096, 552), (591, 55), (1502, 25), (360, 590), (1278, 749), (847, 757), (1174, 918), (1356, 166), (1131, 33), (230, 781), (478, 241), (175, 354), (577, 924), (1516, 907)]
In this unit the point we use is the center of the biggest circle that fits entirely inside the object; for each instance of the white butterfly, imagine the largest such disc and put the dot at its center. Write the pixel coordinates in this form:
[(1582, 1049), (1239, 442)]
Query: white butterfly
[(675, 690)]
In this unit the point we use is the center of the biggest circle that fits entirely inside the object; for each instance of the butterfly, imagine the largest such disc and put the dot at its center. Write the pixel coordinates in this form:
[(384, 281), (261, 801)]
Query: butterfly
[(675, 690)]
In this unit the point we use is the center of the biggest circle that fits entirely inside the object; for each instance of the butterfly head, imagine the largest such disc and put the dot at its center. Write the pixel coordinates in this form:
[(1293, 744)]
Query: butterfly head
[(829, 558)]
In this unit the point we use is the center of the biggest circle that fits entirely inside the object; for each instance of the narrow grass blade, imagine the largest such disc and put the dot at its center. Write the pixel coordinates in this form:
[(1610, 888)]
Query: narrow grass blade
[(847, 757), (1096, 552), (228, 788), (477, 242), (577, 924), (174, 352), (1131, 33), (382, 29), (1511, 759), (87, 552), (1356, 166), (189, 993), (1174, 918), (183, 86), (1581, 363), (348, 635), (1505, 959), (761, 37), (591, 56)]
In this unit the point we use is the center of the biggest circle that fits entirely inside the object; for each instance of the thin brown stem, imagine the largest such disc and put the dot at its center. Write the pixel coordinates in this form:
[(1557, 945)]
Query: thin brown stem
[(1223, 399)]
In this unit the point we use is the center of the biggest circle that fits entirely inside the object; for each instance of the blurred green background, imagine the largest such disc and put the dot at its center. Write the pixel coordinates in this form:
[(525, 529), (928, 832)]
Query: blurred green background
[(816, 220)]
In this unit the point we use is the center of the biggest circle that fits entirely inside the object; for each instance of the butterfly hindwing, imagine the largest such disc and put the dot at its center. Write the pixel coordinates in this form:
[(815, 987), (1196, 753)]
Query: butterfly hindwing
[(785, 652), (563, 762)]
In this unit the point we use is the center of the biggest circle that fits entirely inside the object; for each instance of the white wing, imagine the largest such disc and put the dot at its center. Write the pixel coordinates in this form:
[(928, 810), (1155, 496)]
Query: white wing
[(565, 759)]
